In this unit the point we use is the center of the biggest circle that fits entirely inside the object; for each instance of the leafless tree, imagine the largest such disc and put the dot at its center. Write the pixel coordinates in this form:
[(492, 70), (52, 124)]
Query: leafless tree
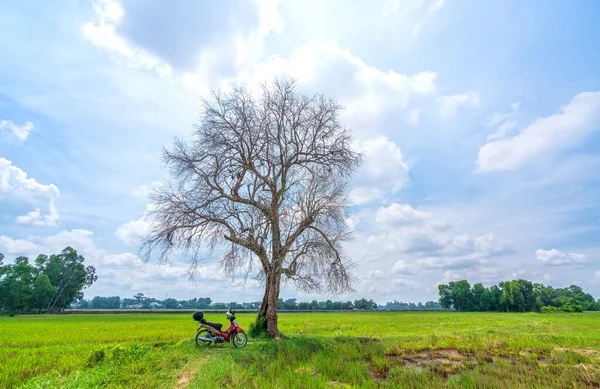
[(265, 181)]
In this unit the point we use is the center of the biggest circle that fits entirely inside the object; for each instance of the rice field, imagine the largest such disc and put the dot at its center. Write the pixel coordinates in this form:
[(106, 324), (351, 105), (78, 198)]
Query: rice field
[(321, 350)]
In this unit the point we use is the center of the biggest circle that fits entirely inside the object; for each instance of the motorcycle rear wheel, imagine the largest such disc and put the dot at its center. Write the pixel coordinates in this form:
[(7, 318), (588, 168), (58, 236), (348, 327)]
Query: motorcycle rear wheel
[(202, 342), (240, 339)]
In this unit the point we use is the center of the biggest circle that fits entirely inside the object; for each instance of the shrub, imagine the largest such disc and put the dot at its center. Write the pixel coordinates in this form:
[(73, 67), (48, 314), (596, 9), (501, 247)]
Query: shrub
[(258, 329)]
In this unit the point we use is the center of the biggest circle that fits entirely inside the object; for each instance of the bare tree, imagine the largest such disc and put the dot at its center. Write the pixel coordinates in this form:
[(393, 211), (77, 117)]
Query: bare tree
[(265, 181)]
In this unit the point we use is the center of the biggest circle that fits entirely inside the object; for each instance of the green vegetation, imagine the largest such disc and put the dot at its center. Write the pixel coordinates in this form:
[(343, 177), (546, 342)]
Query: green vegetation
[(52, 283), (515, 296), (321, 350)]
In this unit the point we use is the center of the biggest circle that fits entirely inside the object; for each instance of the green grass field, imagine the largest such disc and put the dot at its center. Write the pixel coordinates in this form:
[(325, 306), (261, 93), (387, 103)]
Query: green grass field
[(322, 350)]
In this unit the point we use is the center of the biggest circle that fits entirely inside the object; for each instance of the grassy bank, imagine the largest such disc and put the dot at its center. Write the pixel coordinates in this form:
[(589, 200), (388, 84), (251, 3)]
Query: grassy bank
[(370, 350)]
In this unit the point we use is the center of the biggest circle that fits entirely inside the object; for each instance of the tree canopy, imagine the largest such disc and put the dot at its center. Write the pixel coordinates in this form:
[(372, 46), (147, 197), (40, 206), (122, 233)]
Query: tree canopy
[(51, 283)]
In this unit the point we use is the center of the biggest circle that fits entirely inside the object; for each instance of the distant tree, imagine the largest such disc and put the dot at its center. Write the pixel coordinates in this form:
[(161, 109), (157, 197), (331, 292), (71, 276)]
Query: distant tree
[(139, 297), (113, 302), (69, 276), (462, 295), (170, 303), (445, 296), (84, 304), (364, 304)]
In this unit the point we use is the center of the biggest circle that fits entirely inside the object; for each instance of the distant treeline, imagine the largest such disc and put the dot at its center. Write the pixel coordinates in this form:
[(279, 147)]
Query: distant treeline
[(515, 296), (139, 301)]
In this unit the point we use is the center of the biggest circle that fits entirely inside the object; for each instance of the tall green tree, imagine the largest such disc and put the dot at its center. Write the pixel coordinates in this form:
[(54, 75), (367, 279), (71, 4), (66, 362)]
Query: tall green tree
[(69, 276)]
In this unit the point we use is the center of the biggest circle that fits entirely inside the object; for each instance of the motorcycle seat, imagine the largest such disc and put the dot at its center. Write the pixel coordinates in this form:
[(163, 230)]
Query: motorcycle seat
[(216, 326)]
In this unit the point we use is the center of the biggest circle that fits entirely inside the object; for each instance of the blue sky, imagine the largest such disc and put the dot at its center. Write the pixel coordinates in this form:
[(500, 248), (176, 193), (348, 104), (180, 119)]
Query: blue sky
[(480, 122)]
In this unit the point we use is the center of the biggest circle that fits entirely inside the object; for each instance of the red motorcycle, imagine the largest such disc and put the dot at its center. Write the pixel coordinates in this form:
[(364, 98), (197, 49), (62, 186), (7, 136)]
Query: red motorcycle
[(209, 332)]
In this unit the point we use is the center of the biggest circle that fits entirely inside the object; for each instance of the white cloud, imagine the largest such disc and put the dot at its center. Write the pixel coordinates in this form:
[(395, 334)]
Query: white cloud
[(449, 105), (15, 184), (36, 217), (20, 132), (413, 116), (365, 90), (403, 283), (109, 14), (375, 275), (449, 276), (18, 246), (384, 171), (430, 239), (359, 196), (143, 191), (133, 232), (403, 214), (401, 267), (504, 123), (499, 118), (574, 122), (503, 130), (250, 45), (555, 257)]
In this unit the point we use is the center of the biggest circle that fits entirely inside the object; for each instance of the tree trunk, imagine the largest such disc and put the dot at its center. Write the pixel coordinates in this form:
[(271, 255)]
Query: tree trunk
[(262, 312), (268, 307), (272, 298)]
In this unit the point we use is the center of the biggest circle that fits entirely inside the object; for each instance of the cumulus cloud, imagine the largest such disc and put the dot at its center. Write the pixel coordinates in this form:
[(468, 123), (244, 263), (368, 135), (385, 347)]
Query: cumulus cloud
[(15, 184), (36, 217), (143, 191), (133, 232), (402, 283), (365, 90), (375, 275), (102, 33), (555, 257), (547, 135), (449, 105), (384, 171), (18, 246), (402, 267), (20, 132), (431, 239), (449, 276)]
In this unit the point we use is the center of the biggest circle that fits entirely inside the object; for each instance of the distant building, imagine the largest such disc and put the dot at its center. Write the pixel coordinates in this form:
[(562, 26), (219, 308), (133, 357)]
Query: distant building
[(154, 304)]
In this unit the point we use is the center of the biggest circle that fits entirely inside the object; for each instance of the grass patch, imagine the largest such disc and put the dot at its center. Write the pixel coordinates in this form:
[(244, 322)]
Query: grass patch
[(323, 350)]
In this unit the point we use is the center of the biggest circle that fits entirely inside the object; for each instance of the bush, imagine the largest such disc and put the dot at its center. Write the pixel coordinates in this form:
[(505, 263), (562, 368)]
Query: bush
[(258, 329), (564, 308), (572, 308)]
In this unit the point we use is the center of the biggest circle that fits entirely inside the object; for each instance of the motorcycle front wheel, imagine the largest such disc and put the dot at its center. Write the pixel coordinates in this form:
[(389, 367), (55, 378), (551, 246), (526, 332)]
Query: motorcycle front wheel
[(202, 342), (240, 339)]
